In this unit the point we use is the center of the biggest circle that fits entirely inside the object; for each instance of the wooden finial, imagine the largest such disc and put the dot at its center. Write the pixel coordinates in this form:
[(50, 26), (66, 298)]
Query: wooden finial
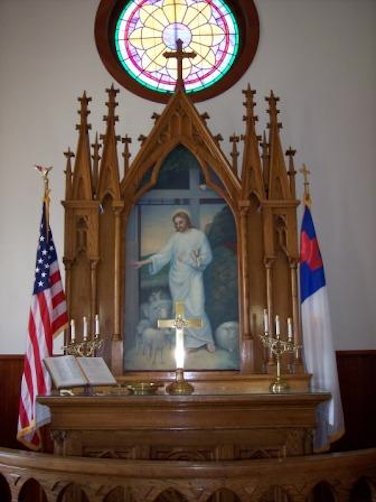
[(306, 195), (218, 138), (111, 105), (179, 55), (205, 116), (96, 157), (234, 139), (84, 112), (68, 174), (126, 154), (249, 104), (155, 117), (273, 111)]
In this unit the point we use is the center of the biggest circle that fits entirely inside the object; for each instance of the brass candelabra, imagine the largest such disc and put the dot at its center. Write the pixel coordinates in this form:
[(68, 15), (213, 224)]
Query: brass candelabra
[(89, 346), (278, 347), (86, 348)]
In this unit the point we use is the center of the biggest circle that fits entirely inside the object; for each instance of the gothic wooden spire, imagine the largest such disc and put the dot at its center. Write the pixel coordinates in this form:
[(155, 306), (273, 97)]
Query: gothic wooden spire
[(82, 183), (109, 182), (251, 170), (278, 184)]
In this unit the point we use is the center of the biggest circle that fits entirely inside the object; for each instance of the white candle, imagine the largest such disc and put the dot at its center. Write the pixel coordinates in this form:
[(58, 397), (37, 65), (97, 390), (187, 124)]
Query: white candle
[(266, 322), (96, 324), (85, 328), (289, 328), (179, 349), (72, 330), (277, 326)]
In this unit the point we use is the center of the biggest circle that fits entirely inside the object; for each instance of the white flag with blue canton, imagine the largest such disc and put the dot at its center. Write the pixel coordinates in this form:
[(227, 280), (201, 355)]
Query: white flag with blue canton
[(319, 354)]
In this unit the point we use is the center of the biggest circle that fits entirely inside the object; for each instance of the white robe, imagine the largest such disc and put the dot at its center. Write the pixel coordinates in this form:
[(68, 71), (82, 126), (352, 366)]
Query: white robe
[(189, 254)]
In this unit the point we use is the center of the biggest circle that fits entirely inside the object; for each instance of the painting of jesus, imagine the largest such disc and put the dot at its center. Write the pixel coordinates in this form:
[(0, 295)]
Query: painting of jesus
[(181, 249)]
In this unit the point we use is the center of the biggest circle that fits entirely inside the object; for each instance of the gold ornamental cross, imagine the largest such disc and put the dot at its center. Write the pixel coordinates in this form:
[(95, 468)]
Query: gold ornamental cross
[(179, 323)]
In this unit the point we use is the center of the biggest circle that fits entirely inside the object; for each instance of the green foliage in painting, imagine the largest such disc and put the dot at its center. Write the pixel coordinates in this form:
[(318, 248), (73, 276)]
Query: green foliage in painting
[(221, 280)]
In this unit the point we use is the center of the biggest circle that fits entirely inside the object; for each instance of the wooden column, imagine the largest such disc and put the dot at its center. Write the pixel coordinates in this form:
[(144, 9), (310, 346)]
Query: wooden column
[(295, 308), (117, 343), (247, 342), (93, 294)]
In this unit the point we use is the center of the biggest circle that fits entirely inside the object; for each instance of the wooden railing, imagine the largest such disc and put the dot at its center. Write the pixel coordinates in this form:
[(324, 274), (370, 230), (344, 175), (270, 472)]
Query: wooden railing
[(34, 477)]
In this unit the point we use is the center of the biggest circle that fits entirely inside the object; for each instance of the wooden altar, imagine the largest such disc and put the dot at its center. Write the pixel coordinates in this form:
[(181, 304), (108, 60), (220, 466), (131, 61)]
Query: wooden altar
[(198, 427), (231, 415)]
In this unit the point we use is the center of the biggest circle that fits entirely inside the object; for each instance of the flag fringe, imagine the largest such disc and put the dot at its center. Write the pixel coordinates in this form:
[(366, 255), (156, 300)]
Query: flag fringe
[(331, 439)]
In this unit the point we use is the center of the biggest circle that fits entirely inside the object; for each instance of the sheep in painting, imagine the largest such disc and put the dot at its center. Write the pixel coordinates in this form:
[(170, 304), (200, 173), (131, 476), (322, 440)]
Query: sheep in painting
[(153, 343), (227, 336), (141, 327), (150, 339)]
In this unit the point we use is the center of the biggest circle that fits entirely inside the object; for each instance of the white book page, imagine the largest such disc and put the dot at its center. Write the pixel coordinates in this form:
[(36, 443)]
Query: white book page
[(65, 372), (96, 370)]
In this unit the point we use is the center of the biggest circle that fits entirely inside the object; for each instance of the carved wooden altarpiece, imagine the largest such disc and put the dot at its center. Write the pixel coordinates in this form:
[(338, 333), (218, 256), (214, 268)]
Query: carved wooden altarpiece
[(248, 213), (256, 187)]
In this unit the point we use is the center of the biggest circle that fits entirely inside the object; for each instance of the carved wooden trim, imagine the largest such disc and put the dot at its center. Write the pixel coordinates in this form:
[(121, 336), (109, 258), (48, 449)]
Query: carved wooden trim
[(197, 481)]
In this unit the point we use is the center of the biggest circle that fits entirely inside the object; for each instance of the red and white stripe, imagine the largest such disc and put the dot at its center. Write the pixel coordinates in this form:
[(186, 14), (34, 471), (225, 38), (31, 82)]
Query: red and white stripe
[(47, 317)]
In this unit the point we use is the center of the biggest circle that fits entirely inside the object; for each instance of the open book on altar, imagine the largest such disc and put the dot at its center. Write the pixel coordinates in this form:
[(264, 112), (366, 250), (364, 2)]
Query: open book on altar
[(71, 371)]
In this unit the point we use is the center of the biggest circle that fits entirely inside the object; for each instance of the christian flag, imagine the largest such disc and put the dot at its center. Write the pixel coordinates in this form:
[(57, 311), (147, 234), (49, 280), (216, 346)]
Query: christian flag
[(47, 317), (319, 352)]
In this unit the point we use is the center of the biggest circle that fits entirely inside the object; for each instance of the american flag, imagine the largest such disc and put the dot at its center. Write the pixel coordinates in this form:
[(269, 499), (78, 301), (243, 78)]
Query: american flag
[(47, 317)]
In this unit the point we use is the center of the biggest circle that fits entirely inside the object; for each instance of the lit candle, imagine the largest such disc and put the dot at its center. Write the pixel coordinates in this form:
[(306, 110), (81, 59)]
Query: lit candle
[(289, 328), (96, 324), (277, 326), (179, 349), (85, 328), (266, 322), (72, 331)]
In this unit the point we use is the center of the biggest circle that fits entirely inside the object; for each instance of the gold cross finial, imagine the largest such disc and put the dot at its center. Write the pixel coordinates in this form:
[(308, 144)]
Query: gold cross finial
[(306, 195), (179, 55)]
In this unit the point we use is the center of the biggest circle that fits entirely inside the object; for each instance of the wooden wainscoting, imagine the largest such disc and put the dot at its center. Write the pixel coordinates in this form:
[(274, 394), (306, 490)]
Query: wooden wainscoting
[(356, 372), (357, 378), (11, 368)]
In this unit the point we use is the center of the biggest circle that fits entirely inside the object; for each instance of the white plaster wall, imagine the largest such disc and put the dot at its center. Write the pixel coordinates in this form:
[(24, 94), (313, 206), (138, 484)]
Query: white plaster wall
[(318, 56)]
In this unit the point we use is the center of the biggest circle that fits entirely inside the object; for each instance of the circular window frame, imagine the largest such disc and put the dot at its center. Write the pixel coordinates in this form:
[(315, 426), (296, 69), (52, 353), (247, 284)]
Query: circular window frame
[(246, 15)]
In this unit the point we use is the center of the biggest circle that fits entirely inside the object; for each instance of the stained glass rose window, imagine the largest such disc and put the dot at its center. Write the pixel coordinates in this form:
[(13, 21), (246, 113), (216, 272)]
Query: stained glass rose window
[(133, 38)]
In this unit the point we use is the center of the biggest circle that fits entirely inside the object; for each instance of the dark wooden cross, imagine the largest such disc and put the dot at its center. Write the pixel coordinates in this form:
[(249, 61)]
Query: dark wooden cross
[(179, 323), (179, 55)]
